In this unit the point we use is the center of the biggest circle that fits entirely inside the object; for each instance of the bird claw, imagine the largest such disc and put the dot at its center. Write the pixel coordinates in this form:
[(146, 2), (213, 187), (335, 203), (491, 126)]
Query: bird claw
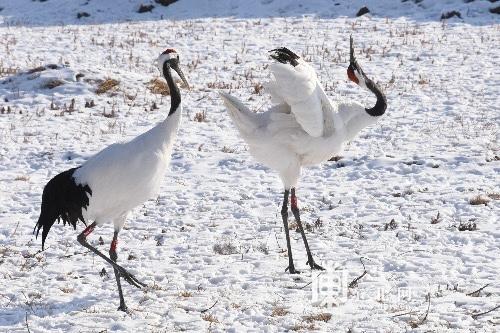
[(130, 278), (314, 265), (292, 270), (123, 308)]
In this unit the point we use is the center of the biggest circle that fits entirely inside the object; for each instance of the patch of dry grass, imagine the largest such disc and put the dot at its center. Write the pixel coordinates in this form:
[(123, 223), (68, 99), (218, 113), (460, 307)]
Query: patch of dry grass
[(479, 200), (210, 318), (335, 158), (467, 226), (392, 225), (158, 86), (67, 290), (403, 194), (228, 150), (324, 316), (36, 70), (106, 86), (219, 85), (494, 196), (437, 219), (225, 247), (279, 311), (23, 178), (52, 83), (185, 294), (257, 88), (303, 327), (8, 70), (200, 117)]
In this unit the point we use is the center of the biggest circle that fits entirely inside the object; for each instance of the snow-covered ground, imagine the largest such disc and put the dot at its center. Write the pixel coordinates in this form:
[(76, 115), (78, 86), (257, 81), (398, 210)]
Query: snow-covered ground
[(397, 201)]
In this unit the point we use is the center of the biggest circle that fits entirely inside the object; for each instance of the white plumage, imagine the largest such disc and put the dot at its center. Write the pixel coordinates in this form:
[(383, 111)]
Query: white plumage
[(298, 87), (281, 138), (125, 175), (305, 127)]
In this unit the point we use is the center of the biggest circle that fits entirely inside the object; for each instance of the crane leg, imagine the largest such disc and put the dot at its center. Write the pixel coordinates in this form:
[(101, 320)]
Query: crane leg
[(114, 257), (295, 211), (82, 239), (284, 215)]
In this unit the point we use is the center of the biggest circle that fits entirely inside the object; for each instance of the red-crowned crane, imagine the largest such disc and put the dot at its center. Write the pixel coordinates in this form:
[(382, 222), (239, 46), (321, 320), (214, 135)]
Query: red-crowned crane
[(112, 182), (303, 128)]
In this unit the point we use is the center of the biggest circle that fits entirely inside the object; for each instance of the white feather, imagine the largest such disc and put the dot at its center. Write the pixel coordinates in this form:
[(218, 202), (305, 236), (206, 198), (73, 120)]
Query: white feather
[(299, 88), (125, 175)]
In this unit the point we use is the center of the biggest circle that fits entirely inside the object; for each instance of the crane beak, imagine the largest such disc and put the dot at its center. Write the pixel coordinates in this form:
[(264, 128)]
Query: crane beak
[(354, 71), (353, 65), (352, 60), (181, 75)]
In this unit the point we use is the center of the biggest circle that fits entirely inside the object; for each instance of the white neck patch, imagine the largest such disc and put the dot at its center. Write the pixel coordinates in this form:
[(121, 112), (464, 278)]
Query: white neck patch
[(361, 79)]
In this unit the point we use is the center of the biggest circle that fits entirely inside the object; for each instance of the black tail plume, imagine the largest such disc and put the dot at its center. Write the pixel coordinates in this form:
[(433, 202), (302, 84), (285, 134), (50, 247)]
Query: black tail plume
[(62, 199)]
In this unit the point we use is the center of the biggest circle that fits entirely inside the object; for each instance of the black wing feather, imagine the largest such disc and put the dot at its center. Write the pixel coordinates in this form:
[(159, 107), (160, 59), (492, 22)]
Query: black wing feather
[(285, 56), (62, 199)]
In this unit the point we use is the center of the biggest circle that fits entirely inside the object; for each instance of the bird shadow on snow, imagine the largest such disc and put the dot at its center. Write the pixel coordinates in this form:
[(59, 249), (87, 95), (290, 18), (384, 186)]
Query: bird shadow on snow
[(88, 12), (16, 315)]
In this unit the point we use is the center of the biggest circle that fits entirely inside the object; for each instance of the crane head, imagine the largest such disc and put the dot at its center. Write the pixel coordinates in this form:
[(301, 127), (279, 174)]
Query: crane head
[(354, 71), (170, 58)]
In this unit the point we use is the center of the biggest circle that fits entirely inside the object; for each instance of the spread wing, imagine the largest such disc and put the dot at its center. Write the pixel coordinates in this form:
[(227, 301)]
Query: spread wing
[(298, 87)]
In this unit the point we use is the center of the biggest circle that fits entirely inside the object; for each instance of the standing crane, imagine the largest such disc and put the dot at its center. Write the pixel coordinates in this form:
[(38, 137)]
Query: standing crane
[(112, 182), (303, 127)]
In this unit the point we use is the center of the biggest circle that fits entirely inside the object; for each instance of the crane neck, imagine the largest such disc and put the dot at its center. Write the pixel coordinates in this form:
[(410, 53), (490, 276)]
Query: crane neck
[(175, 95), (381, 105)]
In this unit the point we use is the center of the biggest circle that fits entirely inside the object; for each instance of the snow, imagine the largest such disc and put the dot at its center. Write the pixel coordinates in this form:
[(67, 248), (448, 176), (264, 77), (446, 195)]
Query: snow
[(434, 150)]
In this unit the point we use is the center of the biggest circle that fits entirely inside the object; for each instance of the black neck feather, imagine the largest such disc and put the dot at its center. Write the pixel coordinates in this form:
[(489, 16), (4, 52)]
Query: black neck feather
[(175, 95), (381, 105)]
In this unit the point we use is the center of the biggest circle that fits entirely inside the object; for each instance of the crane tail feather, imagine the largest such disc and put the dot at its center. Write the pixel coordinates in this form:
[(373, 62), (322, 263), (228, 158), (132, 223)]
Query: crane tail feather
[(244, 119), (62, 199)]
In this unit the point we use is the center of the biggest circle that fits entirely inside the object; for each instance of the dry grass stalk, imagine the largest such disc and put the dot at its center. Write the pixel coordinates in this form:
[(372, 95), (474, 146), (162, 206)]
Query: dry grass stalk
[(200, 117), (437, 219), (257, 88)]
